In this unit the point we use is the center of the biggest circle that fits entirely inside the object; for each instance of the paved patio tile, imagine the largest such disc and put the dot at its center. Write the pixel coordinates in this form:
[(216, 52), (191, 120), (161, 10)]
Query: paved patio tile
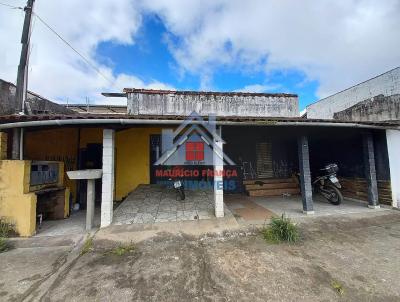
[(149, 204)]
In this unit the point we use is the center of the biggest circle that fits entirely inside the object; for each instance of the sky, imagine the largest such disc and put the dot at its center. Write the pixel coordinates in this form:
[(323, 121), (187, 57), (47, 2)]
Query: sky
[(311, 48)]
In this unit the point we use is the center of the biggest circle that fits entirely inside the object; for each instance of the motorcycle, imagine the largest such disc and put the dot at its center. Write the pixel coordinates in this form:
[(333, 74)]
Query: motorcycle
[(328, 184), (179, 188)]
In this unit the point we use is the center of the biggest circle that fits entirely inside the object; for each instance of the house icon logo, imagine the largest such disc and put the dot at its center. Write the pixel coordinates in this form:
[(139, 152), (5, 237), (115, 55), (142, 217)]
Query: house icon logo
[(194, 142)]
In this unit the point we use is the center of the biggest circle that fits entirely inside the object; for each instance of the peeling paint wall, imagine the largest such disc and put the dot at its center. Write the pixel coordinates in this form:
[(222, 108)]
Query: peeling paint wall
[(205, 104), (386, 84), (33, 105), (379, 108)]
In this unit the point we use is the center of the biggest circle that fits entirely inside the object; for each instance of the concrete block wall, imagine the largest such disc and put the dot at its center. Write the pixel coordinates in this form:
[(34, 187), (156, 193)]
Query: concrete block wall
[(220, 104), (35, 104), (385, 84), (378, 108)]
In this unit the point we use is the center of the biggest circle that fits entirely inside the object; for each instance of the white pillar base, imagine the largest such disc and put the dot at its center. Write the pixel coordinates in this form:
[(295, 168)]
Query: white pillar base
[(393, 147), (374, 207), (308, 212), (107, 194), (90, 204)]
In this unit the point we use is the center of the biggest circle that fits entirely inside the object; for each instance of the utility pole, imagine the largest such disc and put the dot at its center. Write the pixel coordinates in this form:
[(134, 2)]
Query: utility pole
[(22, 79)]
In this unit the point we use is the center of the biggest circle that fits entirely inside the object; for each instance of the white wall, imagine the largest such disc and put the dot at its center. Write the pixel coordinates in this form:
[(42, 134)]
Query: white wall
[(386, 84), (234, 104), (393, 145)]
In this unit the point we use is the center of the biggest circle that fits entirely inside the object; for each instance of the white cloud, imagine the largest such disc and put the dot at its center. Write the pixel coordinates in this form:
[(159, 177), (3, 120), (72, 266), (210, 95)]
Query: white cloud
[(55, 70), (258, 88), (338, 43)]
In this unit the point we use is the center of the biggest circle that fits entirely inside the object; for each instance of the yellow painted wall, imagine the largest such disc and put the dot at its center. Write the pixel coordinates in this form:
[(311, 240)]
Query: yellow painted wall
[(61, 144), (90, 136), (17, 204), (132, 159), (132, 153)]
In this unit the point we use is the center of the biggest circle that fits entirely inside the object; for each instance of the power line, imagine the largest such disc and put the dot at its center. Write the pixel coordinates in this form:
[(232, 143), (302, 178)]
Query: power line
[(11, 6), (87, 61)]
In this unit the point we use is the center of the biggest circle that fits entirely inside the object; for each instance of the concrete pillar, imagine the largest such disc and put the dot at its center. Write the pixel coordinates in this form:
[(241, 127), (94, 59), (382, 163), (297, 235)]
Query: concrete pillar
[(218, 180), (370, 170), (15, 148), (305, 175), (90, 193), (107, 194), (393, 146), (3, 145)]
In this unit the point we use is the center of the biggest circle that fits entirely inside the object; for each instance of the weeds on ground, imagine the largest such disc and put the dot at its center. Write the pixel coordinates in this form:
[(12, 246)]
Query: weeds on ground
[(337, 287), (3, 245), (281, 229), (87, 246), (6, 227), (122, 249)]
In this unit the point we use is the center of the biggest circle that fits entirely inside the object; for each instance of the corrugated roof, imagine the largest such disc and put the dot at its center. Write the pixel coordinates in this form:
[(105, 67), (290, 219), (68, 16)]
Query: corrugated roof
[(234, 119), (189, 92)]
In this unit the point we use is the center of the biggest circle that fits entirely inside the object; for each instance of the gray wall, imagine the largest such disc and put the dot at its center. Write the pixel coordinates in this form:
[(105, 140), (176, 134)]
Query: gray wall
[(379, 108), (386, 84), (279, 105), (35, 104)]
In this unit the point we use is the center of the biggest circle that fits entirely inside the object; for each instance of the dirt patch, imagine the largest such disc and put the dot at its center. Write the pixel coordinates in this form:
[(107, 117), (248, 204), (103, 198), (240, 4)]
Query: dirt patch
[(338, 259), (352, 255)]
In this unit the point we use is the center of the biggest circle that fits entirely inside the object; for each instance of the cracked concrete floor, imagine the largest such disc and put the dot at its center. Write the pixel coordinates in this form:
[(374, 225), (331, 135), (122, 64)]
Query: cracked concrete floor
[(153, 204), (358, 252)]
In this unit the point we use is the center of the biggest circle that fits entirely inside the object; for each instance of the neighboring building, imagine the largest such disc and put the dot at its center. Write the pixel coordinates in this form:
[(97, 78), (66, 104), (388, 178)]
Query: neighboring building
[(262, 129), (167, 102), (97, 109), (386, 84), (35, 104), (378, 108)]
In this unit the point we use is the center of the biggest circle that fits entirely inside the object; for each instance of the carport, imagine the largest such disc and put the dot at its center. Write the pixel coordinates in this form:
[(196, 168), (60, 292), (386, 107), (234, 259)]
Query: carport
[(271, 157)]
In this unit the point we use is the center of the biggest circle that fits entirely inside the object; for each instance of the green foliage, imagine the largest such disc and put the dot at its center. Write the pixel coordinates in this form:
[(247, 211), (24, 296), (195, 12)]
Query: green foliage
[(6, 228), (87, 246), (3, 245), (281, 229), (123, 249), (337, 287)]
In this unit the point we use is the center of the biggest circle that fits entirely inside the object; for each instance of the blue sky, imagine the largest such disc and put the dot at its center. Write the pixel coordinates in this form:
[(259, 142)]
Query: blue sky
[(312, 48), (149, 58)]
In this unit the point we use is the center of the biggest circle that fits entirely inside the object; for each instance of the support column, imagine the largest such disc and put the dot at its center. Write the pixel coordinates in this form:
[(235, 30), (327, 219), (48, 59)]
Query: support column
[(370, 170), (3, 145), (107, 194), (218, 180), (305, 175), (393, 147), (15, 149), (90, 204)]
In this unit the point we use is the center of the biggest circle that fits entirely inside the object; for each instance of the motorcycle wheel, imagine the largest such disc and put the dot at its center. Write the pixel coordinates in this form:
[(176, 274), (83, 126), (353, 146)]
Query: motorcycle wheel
[(181, 194), (335, 197)]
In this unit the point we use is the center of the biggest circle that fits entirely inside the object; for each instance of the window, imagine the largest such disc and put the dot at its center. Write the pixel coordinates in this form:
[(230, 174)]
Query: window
[(195, 151)]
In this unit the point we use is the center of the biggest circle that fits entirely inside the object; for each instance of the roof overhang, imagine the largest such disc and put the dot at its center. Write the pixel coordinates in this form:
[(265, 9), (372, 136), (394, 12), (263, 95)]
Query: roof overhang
[(26, 121)]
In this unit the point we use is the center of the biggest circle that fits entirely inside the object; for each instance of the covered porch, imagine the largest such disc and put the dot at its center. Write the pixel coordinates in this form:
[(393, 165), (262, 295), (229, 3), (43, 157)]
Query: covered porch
[(122, 149)]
